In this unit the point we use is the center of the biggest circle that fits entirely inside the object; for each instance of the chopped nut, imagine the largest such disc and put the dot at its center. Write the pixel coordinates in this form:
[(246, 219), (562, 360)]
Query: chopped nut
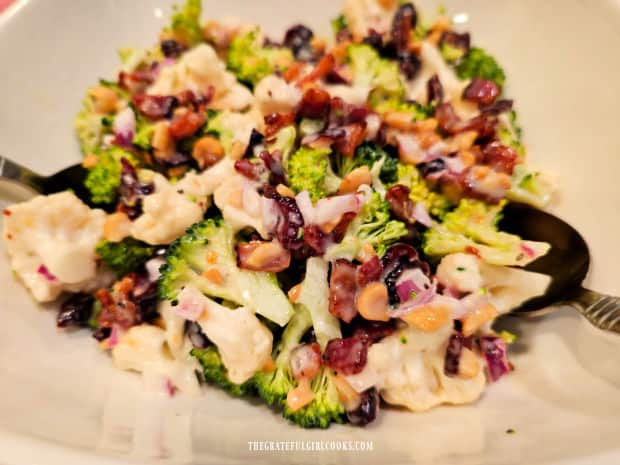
[(467, 157), (237, 150), (475, 319), (213, 275), (211, 257), (104, 98), (284, 191), (90, 160), (207, 151), (162, 141), (301, 396), (428, 318), (428, 138), (372, 302), (469, 365), (264, 256), (462, 141), (399, 120), (116, 227), (355, 179), (349, 397)]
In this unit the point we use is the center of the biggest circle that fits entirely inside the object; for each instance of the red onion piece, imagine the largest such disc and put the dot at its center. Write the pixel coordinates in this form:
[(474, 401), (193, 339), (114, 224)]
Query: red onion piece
[(423, 297), (124, 127), (43, 271), (494, 351), (421, 215)]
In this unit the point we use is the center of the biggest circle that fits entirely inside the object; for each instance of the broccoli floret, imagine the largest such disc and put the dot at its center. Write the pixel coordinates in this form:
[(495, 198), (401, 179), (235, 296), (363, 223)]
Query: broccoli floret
[(251, 62), (125, 256), (339, 23), (450, 53), (371, 226), (368, 154), (104, 179), (509, 132), (436, 204), (310, 169), (185, 22), (132, 58), (215, 372), (477, 63), (531, 187), (284, 142), (418, 111), (187, 263), (370, 70), (89, 126), (473, 226)]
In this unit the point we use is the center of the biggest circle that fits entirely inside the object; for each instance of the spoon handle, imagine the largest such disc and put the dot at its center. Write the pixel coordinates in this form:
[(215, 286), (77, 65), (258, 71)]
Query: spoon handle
[(603, 311), (11, 171)]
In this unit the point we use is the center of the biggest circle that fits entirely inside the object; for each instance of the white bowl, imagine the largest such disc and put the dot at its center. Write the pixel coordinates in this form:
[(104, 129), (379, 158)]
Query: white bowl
[(61, 402)]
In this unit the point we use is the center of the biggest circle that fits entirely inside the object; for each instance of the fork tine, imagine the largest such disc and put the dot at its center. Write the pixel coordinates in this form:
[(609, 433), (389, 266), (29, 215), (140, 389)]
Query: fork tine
[(593, 310)]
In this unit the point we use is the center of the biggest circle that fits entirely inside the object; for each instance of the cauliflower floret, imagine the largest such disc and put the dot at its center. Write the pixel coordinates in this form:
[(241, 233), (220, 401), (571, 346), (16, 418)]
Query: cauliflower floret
[(238, 126), (363, 15), (408, 369), (199, 186), (241, 204), (144, 349), (243, 342), (51, 243), (460, 271), (167, 213), (355, 94), (197, 70), (275, 95)]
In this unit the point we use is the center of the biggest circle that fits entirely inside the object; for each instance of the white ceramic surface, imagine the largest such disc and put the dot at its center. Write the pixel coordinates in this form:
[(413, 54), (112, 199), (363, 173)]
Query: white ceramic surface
[(62, 403)]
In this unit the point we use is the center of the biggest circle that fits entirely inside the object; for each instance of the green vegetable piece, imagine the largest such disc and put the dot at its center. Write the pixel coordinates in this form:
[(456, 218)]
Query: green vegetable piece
[(125, 256)]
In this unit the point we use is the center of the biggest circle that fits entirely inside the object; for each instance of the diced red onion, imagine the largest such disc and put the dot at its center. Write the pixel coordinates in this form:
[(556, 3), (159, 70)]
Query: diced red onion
[(405, 288), (530, 252), (190, 304), (43, 271), (124, 127), (423, 297), (421, 215), (494, 351), (332, 208), (115, 336)]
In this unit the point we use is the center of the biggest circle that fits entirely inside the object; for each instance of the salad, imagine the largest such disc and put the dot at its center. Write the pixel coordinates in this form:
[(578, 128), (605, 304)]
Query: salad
[(311, 222)]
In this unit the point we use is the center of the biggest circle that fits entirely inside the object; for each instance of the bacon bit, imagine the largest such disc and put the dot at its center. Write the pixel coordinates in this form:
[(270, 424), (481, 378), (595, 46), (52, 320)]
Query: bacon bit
[(447, 118), (284, 191), (90, 160), (276, 121), (186, 124), (324, 66), (500, 157), (314, 104), (347, 355), (342, 290), (340, 230), (211, 257), (475, 319), (207, 151), (481, 91), (372, 302), (293, 72), (428, 318), (366, 253), (399, 120), (434, 90), (155, 106), (9, 236), (400, 203), (300, 396), (214, 275), (354, 136), (369, 271), (294, 293), (7, 212), (263, 256), (470, 249)]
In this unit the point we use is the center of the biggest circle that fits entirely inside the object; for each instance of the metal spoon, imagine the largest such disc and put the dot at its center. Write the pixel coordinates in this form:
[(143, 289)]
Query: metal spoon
[(70, 178), (567, 263)]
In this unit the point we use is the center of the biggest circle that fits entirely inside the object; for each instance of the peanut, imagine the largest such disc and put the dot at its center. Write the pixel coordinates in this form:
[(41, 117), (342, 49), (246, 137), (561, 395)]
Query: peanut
[(301, 396), (428, 318), (268, 253), (469, 365), (162, 141), (372, 302), (104, 98), (207, 151), (284, 191), (116, 227), (475, 319), (355, 179)]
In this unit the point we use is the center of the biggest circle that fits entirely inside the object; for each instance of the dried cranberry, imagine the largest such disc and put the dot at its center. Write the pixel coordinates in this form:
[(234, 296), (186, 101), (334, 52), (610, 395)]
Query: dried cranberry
[(342, 113), (342, 290), (405, 19), (290, 221), (483, 124), (372, 331), (409, 64), (273, 162), (374, 39), (256, 138), (250, 169), (75, 311), (131, 301), (433, 166), (298, 38), (499, 106), (340, 229), (456, 40), (482, 91), (314, 104), (369, 271), (401, 205), (171, 48), (155, 106), (447, 118), (500, 157), (137, 81), (131, 189), (347, 355), (196, 336), (434, 90), (276, 121), (366, 412), (315, 239), (453, 354)]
